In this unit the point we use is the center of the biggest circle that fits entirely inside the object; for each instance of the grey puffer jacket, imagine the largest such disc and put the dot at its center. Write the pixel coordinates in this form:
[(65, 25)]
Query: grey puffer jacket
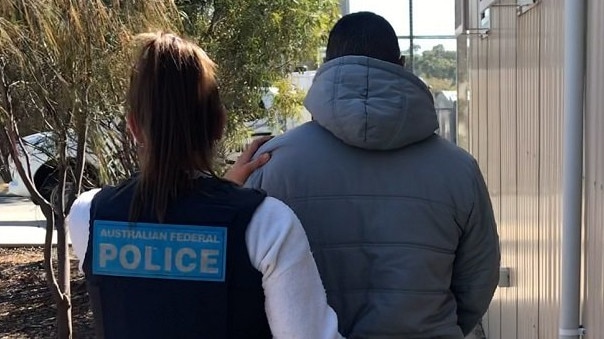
[(399, 220)]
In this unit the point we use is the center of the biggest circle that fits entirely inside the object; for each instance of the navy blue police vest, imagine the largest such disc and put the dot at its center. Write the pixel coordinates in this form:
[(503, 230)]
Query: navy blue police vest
[(190, 277)]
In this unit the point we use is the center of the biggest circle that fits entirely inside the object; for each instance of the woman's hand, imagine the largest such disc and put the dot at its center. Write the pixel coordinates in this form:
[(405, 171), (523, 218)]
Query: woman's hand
[(245, 166)]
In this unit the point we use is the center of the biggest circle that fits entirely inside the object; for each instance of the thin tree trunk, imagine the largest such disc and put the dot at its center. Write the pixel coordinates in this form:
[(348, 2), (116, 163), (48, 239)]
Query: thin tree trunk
[(64, 328), (4, 153), (60, 296), (62, 300), (64, 325)]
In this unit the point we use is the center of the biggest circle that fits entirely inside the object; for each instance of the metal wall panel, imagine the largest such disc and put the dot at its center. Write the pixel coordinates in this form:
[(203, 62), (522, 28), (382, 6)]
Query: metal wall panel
[(492, 134), (473, 114), (528, 105), (508, 226), (473, 85), (516, 112), (594, 174), (550, 174), (506, 107), (474, 90), (483, 100)]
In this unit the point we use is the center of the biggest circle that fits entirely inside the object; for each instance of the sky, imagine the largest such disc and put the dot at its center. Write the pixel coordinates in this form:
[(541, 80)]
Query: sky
[(430, 17)]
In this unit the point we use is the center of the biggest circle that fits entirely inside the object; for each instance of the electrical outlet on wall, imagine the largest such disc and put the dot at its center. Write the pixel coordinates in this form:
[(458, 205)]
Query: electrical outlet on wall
[(504, 277)]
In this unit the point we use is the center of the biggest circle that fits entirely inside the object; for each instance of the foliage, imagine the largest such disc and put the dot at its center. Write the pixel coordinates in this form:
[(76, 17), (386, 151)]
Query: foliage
[(437, 63), (287, 104), (72, 59), (63, 68), (256, 43)]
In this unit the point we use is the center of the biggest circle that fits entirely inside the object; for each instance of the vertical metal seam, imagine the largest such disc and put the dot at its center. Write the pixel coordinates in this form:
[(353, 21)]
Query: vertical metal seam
[(516, 231), (539, 198), (499, 22)]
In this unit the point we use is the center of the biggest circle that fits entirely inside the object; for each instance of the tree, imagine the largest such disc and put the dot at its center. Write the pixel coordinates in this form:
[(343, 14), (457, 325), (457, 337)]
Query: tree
[(256, 43), (62, 64), (64, 67), (287, 104), (437, 63), (4, 173)]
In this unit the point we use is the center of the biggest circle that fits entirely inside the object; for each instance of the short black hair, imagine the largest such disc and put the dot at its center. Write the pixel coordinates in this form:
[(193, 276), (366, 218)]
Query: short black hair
[(366, 34)]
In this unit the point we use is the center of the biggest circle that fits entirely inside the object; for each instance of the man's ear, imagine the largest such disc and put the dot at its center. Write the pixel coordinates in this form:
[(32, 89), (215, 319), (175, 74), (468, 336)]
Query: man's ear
[(402, 60)]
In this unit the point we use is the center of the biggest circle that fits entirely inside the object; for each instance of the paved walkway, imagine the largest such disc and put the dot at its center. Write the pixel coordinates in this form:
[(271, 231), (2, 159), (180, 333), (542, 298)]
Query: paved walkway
[(21, 223)]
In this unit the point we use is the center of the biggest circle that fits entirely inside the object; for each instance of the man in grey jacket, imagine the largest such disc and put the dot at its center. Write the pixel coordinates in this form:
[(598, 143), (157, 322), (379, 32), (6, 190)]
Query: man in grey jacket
[(399, 220)]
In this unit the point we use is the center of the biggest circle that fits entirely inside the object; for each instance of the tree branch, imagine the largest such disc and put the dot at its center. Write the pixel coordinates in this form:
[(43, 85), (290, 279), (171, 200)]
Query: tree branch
[(13, 138), (51, 279), (213, 21)]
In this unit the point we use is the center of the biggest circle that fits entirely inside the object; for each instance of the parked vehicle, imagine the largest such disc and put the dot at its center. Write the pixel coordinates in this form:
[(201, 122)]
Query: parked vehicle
[(41, 147), (41, 150)]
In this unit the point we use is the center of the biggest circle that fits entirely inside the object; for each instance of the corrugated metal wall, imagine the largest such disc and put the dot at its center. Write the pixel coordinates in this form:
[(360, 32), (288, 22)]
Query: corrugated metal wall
[(515, 121), (527, 107), (594, 174), (508, 225), (515, 131), (492, 137), (474, 66), (551, 62)]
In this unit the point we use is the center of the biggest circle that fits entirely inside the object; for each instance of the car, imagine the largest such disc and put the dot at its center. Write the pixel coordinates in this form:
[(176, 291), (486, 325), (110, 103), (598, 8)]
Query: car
[(41, 154), (264, 127), (41, 147)]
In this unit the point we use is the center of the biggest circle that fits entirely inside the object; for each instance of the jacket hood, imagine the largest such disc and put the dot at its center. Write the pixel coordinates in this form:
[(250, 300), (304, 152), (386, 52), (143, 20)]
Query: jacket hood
[(371, 104)]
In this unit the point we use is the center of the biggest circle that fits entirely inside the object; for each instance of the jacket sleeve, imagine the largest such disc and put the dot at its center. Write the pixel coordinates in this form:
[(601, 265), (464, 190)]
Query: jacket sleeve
[(476, 266), (254, 180), (295, 301)]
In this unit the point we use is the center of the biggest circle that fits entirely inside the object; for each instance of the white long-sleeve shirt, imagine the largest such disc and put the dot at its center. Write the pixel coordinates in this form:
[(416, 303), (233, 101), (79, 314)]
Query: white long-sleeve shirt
[(295, 301)]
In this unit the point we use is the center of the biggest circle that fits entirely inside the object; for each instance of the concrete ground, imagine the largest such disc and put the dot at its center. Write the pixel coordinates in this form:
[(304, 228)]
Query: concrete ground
[(21, 222)]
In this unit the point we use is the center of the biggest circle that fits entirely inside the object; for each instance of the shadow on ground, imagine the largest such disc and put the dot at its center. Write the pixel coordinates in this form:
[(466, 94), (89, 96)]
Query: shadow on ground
[(29, 223)]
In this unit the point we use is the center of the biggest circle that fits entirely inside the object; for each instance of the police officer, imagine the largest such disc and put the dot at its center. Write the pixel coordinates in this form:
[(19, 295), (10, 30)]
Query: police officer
[(176, 251)]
